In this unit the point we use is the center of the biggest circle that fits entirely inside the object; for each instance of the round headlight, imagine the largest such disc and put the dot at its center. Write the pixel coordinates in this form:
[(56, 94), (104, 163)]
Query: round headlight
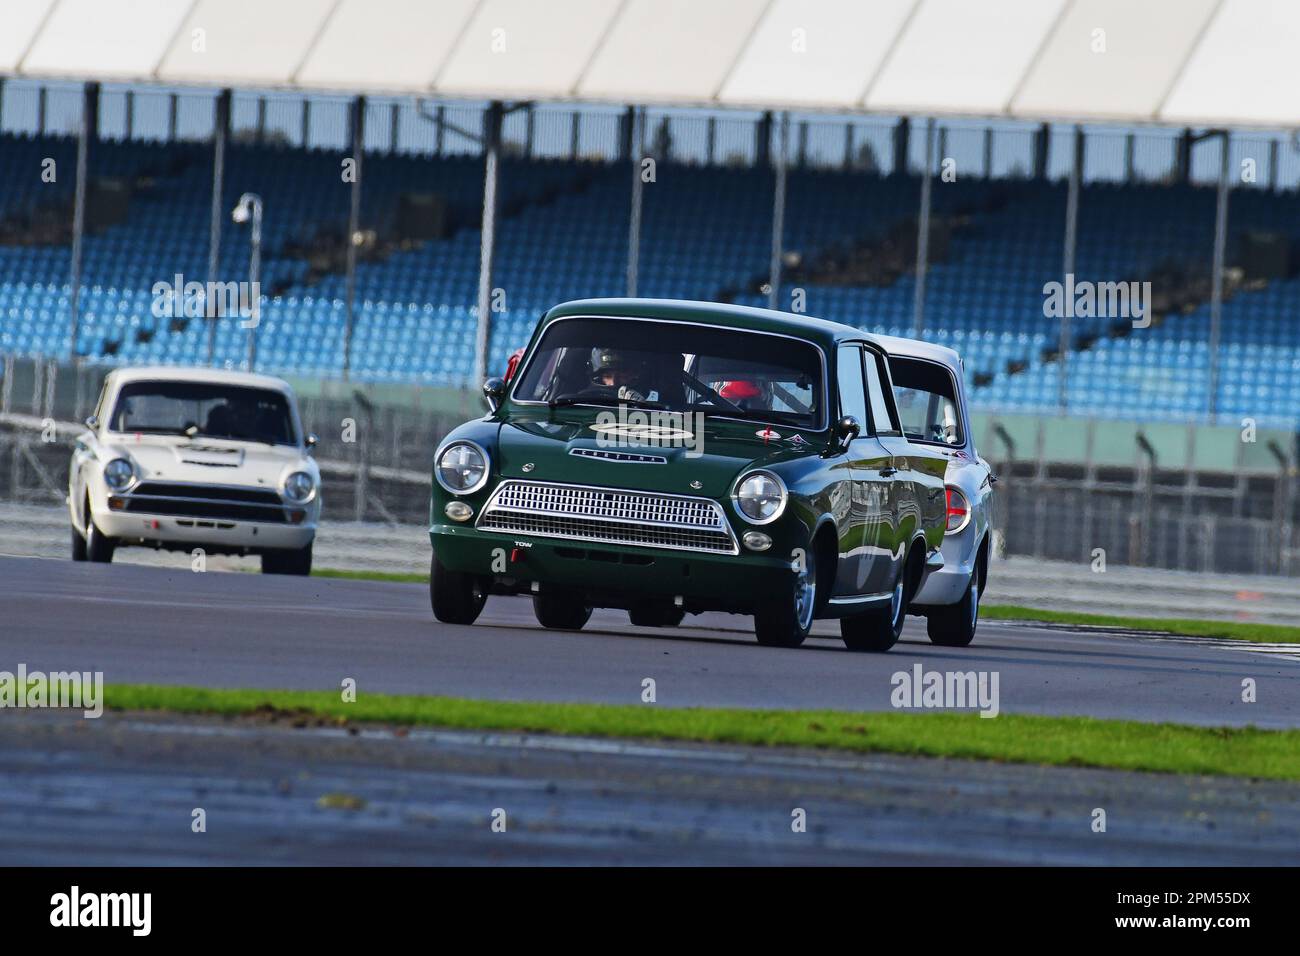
[(118, 473), (760, 496), (299, 487), (461, 468)]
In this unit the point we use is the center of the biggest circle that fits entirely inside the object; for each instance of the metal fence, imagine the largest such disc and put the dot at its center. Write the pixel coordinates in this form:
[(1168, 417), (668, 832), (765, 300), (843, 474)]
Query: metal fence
[(376, 455), (1057, 522), (406, 125)]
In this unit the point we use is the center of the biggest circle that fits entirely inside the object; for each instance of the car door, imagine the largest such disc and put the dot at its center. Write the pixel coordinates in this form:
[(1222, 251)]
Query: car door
[(867, 545), (918, 471)]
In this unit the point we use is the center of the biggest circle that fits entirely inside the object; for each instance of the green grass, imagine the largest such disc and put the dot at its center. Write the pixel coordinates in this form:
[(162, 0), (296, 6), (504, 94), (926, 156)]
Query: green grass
[(1015, 738), (1235, 630), (398, 576)]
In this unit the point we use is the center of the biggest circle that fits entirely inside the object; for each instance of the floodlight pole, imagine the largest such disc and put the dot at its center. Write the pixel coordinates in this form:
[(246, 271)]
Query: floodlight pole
[(249, 209), (491, 152), (89, 124), (923, 233), (1067, 266), (354, 226), (220, 134), (778, 214), (1216, 280), (635, 152)]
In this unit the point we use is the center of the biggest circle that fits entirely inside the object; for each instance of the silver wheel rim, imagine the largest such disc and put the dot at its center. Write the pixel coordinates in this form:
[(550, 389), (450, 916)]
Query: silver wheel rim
[(974, 601), (805, 588), (896, 603)]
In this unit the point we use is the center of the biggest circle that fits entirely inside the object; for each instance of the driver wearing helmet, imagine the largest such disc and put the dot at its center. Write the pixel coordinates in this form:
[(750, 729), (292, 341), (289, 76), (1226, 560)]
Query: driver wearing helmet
[(748, 394), (617, 370)]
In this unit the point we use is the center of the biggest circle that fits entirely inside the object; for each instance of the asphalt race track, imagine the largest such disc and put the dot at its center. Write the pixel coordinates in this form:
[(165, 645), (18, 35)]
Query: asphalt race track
[(152, 625), (121, 789)]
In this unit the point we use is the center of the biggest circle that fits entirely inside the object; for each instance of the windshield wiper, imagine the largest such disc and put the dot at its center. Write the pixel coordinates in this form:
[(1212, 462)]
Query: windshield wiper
[(565, 401)]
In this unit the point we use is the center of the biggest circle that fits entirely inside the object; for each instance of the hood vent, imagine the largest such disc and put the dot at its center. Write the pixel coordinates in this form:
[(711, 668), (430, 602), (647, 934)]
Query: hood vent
[(604, 455)]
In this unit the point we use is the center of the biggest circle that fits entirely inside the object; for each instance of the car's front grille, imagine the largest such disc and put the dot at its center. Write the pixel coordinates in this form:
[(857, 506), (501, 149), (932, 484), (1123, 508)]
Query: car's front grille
[(205, 501), (611, 515)]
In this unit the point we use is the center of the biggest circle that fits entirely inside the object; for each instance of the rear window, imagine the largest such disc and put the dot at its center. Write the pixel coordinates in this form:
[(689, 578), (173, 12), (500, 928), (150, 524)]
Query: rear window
[(926, 396)]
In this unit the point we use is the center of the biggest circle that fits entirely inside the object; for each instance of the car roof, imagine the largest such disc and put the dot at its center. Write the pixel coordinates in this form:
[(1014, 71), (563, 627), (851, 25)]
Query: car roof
[(915, 348), (176, 373), (715, 313)]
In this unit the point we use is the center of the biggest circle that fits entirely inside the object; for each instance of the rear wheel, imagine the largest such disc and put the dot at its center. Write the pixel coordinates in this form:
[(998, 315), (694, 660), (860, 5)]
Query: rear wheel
[(561, 611), (456, 597), (786, 619), (954, 626), (655, 614), (292, 561), (878, 630)]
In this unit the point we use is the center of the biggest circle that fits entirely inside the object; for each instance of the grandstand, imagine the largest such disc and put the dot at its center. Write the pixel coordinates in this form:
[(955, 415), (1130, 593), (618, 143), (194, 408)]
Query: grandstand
[(704, 235), (408, 310)]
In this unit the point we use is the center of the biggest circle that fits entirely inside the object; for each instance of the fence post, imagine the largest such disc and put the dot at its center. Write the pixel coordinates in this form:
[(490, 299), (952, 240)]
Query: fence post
[(1216, 275), (38, 385), (923, 234), (360, 486), (51, 375), (7, 386)]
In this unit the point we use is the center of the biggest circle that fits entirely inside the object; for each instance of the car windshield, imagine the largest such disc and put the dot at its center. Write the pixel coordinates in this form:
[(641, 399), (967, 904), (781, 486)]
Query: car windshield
[(204, 409), (927, 401), (676, 366)]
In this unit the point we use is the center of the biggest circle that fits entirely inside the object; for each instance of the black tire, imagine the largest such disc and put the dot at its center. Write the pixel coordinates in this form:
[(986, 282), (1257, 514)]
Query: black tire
[(786, 619), (655, 614), (561, 610), (456, 597), (78, 546), (296, 561), (878, 630), (99, 547), (954, 625)]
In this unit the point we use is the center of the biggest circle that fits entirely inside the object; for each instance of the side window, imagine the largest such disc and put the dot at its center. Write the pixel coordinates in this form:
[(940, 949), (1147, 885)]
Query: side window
[(853, 397), (880, 407)]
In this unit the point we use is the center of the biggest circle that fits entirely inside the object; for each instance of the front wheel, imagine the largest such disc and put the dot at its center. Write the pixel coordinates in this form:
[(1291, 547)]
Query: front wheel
[(786, 619), (877, 631), (954, 626), (457, 598), (296, 561), (78, 545), (99, 547), (561, 611)]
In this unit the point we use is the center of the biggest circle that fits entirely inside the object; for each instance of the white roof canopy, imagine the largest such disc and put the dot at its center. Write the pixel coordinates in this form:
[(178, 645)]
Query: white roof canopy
[(1183, 62)]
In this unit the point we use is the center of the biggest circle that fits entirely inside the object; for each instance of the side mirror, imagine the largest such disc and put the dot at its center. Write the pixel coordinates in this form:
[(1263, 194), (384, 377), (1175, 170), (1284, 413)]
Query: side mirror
[(92, 423), (494, 389), (847, 429), (312, 441)]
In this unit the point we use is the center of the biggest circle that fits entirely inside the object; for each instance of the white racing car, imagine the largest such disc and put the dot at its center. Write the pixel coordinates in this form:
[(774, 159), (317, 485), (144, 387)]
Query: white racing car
[(930, 392), (195, 458)]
